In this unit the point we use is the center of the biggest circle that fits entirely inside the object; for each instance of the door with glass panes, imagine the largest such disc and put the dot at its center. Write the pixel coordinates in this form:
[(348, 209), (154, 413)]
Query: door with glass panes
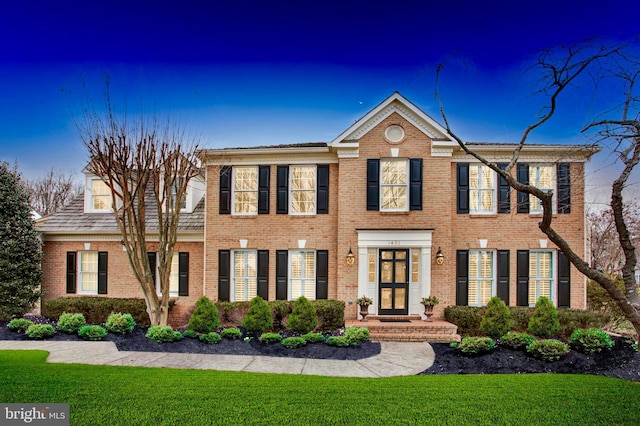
[(394, 282)]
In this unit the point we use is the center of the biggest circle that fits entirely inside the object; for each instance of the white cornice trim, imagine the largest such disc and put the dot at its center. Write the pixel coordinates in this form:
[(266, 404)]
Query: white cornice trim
[(249, 157), (70, 236)]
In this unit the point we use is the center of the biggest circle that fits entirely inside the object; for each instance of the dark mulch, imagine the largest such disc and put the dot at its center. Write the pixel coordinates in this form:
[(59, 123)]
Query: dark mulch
[(136, 341), (622, 362)]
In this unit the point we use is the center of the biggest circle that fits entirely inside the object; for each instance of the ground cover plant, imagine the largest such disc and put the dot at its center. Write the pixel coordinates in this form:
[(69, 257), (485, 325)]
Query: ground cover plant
[(294, 399)]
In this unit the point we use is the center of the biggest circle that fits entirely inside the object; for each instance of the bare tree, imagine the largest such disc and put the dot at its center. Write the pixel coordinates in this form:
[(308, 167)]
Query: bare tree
[(53, 191), (147, 164), (559, 69)]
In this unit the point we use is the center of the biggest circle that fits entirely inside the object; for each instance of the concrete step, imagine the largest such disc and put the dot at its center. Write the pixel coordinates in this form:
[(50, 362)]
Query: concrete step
[(415, 330)]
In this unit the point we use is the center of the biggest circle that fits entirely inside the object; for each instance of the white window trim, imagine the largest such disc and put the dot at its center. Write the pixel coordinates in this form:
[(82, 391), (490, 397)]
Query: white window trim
[(233, 190), (553, 187), (290, 277), (88, 196), (407, 189), (233, 273), (315, 190), (494, 190), (80, 272), (494, 272), (554, 277)]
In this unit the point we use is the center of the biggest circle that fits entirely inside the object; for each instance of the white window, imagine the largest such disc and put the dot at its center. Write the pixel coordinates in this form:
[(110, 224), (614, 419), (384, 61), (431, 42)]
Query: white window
[(542, 177), (88, 272), (245, 190), (541, 277), (482, 189), (174, 194), (302, 273), (394, 183), (245, 275), (415, 266), (302, 189), (481, 277), (100, 196), (372, 265)]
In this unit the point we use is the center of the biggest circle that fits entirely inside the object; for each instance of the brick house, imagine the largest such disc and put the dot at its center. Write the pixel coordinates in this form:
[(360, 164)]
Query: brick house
[(393, 189)]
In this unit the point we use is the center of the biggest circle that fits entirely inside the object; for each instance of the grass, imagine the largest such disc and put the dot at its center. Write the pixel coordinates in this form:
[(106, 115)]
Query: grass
[(160, 396)]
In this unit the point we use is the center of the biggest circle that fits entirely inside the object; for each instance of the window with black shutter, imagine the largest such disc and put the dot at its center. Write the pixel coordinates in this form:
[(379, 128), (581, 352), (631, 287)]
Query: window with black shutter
[(462, 193), (71, 271), (102, 272), (225, 190), (504, 192), (522, 172), (564, 188)]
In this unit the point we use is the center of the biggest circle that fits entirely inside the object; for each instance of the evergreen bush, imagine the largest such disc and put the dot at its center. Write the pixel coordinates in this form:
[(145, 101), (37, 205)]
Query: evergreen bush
[(120, 323), (70, 323), (205, 316), (294, 342), (338, 341), (330, 314), (191, 334), (357, 335), (163, 334), (231, 333), (258, 318), (280, 309), (313, 337), (303, 318), (467, 318), (210, 338), (271, 338), (544, 321), (517, 341), (476, 345), (590, 341), (548, 350), (40, 331), (495, 321), (19, 325), (92, 332)]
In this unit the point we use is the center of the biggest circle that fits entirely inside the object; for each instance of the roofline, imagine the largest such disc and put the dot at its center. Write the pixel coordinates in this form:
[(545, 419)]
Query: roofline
[(262, 150)]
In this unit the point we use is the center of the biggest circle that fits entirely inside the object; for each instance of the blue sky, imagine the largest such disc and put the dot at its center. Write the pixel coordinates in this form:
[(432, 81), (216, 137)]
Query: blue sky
[(249, 73)]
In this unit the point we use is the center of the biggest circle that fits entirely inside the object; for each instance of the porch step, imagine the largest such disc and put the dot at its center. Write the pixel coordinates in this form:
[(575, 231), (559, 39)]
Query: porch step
[(415, 330)]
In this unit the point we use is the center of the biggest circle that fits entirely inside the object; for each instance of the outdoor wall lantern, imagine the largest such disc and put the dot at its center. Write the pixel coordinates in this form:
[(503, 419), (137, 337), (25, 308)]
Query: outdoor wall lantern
[(351, 259), (439, 257)]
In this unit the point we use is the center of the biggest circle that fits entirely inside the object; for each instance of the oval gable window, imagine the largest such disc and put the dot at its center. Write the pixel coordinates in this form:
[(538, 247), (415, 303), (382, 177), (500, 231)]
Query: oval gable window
[(394, 133)]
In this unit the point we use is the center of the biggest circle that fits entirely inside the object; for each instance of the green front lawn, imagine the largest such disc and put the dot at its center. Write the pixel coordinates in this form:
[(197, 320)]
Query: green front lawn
[(101, 395)]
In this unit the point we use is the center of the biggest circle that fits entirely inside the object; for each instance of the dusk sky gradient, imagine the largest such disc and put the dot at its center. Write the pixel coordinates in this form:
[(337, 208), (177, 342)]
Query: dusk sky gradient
[(247, 73)]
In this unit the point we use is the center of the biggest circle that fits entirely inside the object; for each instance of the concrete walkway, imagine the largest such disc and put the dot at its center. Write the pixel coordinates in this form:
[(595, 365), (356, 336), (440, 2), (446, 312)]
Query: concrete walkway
[(395, 359)]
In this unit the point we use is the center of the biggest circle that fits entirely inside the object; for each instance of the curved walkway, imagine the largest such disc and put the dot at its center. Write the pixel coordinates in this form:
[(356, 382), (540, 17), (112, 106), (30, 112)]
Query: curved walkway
[(395, 359)]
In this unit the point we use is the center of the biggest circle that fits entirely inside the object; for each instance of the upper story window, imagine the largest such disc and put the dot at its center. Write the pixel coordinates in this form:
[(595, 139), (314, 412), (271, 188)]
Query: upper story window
[(174, 195), (482, 189), (100, 196), (547, 177), (245, 190), (542, 177), (393, 185), (302, 189)]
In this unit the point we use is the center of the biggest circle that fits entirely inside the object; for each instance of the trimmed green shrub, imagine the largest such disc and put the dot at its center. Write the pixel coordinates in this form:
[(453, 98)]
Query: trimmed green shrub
[(120, 323), (313, 337), (357, 335), (270, 338), (548, 350), (40, 331), (590, 341), (495, 321), (476, 345), (303, 317), (205, 316), (231, 333), (294, 342), (258, 318), (544, 321), (163, 334), (576, 319), (338, 341), (330, 314), (70, 323), (92, 332), (191, 334), (519, 317), (19, 325), (467, 318), (279, 310), (210, 338), (517, 341)]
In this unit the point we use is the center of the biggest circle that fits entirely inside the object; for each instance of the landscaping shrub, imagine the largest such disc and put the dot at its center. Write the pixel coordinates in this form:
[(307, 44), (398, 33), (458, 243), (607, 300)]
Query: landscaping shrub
[(163, 334), (590, 341), (97, 309), (467, 318), (205, 316), (258, 318), (303, 317), (294, 342), (495, 321), (40, 331), (357, 335), (575, 319), (191, 334), (19, 325), (313, 337), (232, 312), (70, 323), (544, 321), (548, 350), (339, 341), (231, 333), (519, 317), (120, 323), (92, 332), (330, 314), (271, 338), (279, 310), (476, 345), (210, 338), (517, 341), (598, 300)]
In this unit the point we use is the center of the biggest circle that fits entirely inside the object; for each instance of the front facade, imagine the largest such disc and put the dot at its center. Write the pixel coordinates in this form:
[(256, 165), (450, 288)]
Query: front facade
[(394, 190)]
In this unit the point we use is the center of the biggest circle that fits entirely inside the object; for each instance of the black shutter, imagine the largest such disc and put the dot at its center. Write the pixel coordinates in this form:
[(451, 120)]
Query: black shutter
[(462, 277), (522, 286), (322, 274), (462, 193), (263, 274), (152, 264), (183, 274), (523, 177), (564, 281), (71, 271), (102, 272), (225, 190), (323, 189), (282, 190), (224, 276), (282, 266), (415, 184), (373, 184), (503, 276), (264, 173), (564, 188), (504, 193)]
